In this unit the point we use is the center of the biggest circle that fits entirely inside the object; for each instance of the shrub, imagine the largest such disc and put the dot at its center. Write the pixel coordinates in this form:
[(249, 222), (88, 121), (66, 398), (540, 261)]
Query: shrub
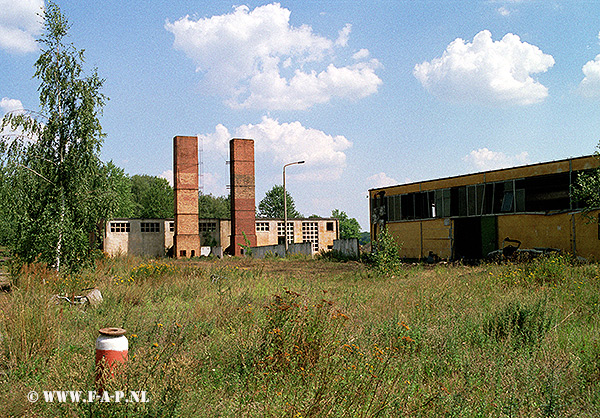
[(336, 255), (386, 253), (523, 325)]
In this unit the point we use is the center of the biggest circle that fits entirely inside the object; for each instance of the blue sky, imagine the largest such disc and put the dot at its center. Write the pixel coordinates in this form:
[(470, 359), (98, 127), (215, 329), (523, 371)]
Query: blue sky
[(369, 93)]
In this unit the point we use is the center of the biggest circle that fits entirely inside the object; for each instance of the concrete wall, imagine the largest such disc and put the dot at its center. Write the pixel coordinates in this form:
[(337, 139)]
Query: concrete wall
[(587, 235), (279, 250), (136, 242), (349, 247), (574, 232), (221, 235)]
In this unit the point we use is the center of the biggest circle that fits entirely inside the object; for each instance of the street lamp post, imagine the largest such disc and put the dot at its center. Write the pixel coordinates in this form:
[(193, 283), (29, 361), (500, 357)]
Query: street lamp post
[(285, 228)]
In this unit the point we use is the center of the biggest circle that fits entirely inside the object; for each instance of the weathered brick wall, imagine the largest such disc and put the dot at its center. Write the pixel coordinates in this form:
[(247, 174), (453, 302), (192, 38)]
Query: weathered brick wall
[(241, 154), (185, 178)]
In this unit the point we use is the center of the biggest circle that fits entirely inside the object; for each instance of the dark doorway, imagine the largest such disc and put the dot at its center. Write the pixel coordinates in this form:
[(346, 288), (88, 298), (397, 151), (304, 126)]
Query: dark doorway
[(474, 237), (467, 238)]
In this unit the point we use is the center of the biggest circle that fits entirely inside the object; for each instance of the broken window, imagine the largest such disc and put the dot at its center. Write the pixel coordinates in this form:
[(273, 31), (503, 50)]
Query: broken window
[(442, 203), (330, 226), (207, 226), (150, 226), (546, 193), (408, 206)]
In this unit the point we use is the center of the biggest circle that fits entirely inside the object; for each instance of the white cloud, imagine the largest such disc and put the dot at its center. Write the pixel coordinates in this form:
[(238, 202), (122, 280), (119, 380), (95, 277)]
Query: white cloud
[(213, 183), (484, 159), (10, 105), (344, 35), (590, 85), (503, 11), (381, 180), (361, 54), (19, 25), (6, 106), (487, 71), (168, 175), (256, 59), (288, 142)]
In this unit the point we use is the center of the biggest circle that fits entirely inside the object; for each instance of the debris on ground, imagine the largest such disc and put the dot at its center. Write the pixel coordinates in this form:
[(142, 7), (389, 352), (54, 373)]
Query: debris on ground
[(93, 297)]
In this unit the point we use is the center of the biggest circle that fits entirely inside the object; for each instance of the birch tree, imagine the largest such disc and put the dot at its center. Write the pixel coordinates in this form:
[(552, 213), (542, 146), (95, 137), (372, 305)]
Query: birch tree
[(51, 157)]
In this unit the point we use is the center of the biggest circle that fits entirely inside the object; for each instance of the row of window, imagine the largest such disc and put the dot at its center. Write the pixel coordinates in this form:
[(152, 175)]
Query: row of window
[(155, 226), (212, 226), (126, 227), (532, 194), (262, 226)]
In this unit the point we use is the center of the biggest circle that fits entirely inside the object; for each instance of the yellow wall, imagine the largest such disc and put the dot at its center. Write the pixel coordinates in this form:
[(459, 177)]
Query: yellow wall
[(554, 231), (534, 230), (417, 238), (587, 244)]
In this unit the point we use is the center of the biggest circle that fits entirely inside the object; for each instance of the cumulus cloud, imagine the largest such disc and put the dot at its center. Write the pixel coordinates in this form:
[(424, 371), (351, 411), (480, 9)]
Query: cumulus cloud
[(10, 105), (19, 25), (484, 159), (487, 71), (256, 59), (381, 180), (590, 85), (287, 142)]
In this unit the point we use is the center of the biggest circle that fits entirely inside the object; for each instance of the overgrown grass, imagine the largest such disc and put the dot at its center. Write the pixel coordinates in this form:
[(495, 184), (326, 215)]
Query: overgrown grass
[(305, 338)]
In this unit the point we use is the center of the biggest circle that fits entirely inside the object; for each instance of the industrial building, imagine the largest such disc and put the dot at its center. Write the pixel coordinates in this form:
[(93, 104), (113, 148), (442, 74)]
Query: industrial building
[(187, 236), (155, 237), (469, 216)]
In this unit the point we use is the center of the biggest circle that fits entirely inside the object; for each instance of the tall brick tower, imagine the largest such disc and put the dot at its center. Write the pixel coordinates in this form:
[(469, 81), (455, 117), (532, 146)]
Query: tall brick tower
[(186, 242), (241, 155)]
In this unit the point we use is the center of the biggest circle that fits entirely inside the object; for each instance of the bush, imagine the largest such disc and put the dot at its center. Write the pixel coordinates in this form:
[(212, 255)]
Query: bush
[(386, 253), (523, 325)]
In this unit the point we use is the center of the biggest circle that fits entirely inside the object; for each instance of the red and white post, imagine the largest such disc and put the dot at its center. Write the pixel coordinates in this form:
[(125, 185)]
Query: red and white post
[(112, 348)]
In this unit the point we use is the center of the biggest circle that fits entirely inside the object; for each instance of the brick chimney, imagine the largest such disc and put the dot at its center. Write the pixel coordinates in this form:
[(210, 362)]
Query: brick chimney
[(186, 242), (241, 154)]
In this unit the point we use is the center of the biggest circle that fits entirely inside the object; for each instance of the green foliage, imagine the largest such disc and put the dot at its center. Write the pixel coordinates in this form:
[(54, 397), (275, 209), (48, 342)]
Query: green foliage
[(549, 269), (152, 197), (349, 227), (115, 192), (365, 238), (246, 246), (51, 159), (386, 253), (586, 190), (271, 206), (216, 207), (336, 255)]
